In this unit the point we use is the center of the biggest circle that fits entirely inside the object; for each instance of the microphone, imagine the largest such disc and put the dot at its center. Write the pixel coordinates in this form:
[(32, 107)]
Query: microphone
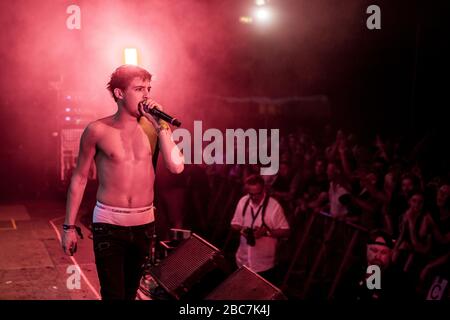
[(162, 115)]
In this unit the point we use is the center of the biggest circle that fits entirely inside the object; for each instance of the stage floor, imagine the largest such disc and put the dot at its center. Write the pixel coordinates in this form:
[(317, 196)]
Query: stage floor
[(32, 263)]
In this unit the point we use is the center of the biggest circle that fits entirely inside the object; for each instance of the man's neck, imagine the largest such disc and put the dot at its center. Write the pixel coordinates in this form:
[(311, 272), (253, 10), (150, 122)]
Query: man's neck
[(255, 205), (125, 120)]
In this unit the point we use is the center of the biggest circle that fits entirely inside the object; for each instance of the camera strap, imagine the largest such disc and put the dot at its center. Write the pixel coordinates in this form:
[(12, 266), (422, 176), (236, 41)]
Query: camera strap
[(262, 209)]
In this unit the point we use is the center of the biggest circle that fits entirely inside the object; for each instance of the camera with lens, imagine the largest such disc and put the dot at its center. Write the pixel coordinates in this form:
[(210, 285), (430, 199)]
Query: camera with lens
[(250, 235)]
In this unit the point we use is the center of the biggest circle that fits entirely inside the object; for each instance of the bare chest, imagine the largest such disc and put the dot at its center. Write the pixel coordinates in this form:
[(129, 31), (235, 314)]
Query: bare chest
[(124, 146)]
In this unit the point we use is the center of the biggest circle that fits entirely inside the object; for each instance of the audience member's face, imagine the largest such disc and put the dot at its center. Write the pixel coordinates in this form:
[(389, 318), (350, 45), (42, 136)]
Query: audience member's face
[(371, 179), (378, 254), (332, 171), (319, 168), (256, 193), (407, 186), (416, 203), (443, 195), (388, 181)]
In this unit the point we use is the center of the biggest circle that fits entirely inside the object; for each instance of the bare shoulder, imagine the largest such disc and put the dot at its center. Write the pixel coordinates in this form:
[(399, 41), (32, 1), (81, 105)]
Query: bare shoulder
[(92, 133), (97, 128)]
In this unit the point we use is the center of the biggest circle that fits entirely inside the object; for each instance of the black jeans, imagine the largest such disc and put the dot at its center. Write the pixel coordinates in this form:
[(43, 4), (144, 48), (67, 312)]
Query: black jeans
[(120, 253)]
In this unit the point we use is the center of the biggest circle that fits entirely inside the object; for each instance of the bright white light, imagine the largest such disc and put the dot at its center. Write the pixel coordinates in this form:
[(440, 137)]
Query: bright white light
[(130, 55), (260, 2), (263, 15), (67, 118), (67, 109)]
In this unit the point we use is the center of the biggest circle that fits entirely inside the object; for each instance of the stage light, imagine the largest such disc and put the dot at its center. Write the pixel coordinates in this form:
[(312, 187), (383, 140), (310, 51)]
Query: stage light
[(67, 109), (263, 14), (246, 20), (67, 118), (260, 2), (131, 56)]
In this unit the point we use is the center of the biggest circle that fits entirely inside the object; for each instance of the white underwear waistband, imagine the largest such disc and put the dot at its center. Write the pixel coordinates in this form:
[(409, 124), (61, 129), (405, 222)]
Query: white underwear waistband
[(127, 217)]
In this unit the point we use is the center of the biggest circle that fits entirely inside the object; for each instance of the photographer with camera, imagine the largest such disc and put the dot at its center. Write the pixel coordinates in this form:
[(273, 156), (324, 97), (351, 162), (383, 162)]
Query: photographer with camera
[(261, 222)]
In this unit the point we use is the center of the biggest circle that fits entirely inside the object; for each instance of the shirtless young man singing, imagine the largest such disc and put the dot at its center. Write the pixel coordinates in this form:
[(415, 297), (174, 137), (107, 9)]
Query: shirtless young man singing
[(123, 219)]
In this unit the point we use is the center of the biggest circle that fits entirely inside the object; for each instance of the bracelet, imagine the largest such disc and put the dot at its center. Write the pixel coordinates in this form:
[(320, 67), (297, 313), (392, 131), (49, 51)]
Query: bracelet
[(162, 126), (72, 227)]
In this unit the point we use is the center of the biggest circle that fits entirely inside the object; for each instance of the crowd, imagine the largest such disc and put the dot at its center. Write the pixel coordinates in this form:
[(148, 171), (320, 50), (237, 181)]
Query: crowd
[(384, 183)]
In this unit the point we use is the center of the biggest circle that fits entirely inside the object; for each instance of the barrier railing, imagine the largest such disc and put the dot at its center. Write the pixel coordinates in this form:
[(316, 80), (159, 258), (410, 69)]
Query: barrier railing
[(321, 256), (323, 246)]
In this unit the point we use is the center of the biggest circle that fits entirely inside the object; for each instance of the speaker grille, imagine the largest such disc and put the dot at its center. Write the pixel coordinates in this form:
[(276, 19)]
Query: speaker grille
[(245, 284), (184, 264)]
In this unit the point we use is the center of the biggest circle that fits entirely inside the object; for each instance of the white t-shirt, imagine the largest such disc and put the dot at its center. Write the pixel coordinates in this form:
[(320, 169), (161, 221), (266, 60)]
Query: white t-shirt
[(261, 257)]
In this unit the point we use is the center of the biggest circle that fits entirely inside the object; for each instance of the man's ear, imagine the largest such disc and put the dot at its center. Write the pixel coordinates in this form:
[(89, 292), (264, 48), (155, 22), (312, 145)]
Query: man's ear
[(118, 93)]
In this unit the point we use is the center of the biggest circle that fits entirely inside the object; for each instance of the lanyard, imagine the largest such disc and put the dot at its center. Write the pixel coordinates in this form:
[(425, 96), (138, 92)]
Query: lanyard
[(255, 215)]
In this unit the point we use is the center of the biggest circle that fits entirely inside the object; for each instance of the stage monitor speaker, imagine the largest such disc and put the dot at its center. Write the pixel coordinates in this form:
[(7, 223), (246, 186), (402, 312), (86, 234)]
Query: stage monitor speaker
[(191, 270), (245, 284)]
